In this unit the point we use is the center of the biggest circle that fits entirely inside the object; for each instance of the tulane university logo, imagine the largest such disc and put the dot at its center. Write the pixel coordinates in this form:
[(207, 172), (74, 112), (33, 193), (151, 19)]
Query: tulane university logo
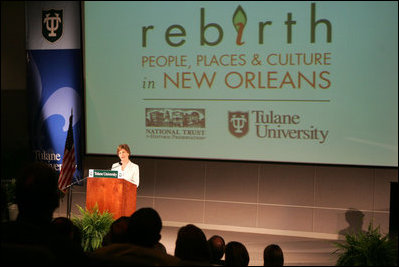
[(52, 22), (238, 123)]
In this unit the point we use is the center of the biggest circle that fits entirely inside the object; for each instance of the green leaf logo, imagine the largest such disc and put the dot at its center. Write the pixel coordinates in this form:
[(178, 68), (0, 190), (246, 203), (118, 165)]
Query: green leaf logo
[(239, 21), (239, 17)]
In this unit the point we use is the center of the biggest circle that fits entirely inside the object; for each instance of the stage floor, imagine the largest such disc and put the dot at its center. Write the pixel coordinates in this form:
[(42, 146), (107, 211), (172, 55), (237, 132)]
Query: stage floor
[(298, 251)]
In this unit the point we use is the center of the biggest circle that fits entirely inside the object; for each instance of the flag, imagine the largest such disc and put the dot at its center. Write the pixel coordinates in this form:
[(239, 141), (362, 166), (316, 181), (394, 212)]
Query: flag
[(68, 162)]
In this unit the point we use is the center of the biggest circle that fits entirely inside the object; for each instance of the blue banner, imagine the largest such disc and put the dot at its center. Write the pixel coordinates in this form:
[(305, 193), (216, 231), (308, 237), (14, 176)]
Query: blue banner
[(54, 80)]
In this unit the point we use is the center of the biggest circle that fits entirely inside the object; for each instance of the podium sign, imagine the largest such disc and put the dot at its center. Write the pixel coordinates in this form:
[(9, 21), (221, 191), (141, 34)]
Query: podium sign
[(105, 174)]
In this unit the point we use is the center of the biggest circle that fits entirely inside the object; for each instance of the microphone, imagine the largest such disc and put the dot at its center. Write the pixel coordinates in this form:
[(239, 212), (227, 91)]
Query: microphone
[(76, 182), (116, 166)]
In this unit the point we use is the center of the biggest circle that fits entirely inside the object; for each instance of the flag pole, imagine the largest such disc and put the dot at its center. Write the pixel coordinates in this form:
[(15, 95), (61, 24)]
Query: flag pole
[(69, 197), (69, 202), (68, 166)]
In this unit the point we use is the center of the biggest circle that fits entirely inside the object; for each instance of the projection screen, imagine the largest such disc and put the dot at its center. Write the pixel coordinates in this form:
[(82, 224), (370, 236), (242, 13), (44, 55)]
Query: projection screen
[(307, 82)]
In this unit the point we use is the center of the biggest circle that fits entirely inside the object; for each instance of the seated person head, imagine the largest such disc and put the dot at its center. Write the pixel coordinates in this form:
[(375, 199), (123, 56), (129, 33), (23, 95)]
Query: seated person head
[(144, 227), (236, 254), (273, 256), (37, 193), (191, 244), (217, 246)]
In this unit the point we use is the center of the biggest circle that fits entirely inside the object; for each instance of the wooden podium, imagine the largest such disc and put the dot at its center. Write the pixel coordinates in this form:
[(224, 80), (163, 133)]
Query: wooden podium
[(114, 195)]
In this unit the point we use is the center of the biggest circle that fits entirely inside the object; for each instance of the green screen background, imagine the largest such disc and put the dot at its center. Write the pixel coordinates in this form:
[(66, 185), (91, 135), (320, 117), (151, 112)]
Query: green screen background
[(359, 109)]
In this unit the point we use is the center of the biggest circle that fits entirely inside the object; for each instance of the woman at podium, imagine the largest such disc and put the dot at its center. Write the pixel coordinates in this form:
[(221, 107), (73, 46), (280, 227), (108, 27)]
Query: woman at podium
[(129, 169)]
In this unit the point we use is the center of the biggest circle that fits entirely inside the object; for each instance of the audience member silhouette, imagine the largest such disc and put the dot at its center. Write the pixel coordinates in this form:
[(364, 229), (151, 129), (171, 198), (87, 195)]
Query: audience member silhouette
[(31, 238), (37, 194), (145, 227), (191, 245), (65, 228), (143, 247), (117, 232), (159, 246), (217, 247), (273, 256), (236, 254)]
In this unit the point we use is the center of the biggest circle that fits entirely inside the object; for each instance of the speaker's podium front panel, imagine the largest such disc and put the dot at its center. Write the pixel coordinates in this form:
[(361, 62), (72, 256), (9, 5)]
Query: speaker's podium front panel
[(111, 193)]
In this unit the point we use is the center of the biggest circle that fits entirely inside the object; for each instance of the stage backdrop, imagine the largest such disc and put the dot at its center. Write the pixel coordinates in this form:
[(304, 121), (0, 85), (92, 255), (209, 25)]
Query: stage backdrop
[(54, 78), (311, 82)]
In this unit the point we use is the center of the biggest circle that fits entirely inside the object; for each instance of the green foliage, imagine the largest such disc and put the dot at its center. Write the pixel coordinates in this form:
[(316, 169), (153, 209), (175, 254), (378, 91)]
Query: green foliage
[(368, 248), (94, 226), (8, 188)]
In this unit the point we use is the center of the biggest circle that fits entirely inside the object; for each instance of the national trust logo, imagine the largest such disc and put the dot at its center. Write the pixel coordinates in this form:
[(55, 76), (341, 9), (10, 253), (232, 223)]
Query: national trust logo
[(175, 117), (175, 123), (238, 123), (52, 24)]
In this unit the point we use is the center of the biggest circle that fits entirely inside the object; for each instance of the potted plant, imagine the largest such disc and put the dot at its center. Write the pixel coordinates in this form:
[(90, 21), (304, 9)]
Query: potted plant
[(8, 189), (93, 226), (366, 248)]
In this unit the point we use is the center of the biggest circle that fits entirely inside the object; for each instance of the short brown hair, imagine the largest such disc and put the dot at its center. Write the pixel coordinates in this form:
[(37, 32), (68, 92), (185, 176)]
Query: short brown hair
[(123, 146), (273, 256)]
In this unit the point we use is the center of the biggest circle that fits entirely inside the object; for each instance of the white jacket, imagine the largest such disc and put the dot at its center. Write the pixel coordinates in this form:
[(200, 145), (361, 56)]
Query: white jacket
[(131, 172)]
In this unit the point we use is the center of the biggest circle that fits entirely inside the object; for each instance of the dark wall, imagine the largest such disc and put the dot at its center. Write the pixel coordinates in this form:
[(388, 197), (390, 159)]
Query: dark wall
[(15, 151), (14, 124)]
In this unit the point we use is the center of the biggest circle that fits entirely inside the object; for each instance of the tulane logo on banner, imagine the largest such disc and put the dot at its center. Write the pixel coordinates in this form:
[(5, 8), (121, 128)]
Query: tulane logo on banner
[(52, 24), (54, 81), (238, 123)]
